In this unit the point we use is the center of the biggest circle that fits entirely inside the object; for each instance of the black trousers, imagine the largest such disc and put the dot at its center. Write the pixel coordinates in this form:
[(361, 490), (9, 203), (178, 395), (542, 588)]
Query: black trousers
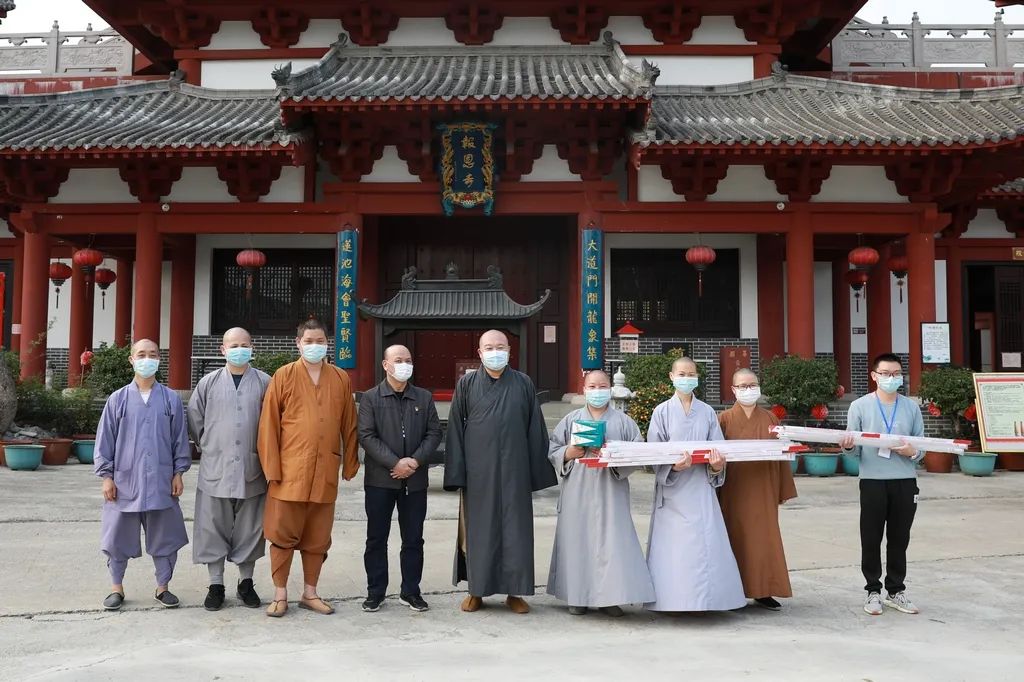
[(412, 510), (886, 507)]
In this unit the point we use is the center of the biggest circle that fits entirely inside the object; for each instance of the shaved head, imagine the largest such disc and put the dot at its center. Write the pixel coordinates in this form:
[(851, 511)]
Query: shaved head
[(597, 378), (493, 337), (397, 353), (237, 336), (743, 374), (684, 364), (144, 347)]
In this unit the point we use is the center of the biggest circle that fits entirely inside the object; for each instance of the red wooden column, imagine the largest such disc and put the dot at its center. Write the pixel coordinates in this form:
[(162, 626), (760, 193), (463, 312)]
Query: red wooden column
[(771, 313), (841, 320), (955, 305), (193, 70), (800, 286), (123, 303), (921, 297), (149, 246), (19, 287), (183, 289), (34, 304), (878, 298), (81, 322)]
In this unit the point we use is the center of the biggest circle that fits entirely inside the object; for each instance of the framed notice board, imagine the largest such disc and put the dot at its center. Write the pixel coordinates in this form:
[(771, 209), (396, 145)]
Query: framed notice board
[(1000, 405)]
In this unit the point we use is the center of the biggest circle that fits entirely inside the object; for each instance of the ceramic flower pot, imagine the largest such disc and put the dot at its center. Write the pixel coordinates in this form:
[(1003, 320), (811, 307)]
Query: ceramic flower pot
[(1011, 461), (938, 462), (83, 450), (56, 451), (851, 465), (5, 443), (795, 464), (23, 456), (820, 463), (977, 463)]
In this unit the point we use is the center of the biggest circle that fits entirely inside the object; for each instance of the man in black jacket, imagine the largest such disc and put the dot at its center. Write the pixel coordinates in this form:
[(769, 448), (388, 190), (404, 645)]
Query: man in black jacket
[(399, 431)]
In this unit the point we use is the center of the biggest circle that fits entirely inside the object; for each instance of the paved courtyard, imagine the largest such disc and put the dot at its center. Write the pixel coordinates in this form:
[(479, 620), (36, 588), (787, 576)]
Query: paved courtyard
[(966, 566)]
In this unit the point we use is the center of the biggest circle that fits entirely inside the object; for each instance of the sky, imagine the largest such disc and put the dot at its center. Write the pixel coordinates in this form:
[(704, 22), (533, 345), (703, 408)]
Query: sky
[(73, 15)]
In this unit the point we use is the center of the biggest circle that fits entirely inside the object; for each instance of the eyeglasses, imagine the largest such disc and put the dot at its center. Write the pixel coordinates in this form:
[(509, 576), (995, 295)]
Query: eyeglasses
[(746, 387), (490, 348), (890, 375)]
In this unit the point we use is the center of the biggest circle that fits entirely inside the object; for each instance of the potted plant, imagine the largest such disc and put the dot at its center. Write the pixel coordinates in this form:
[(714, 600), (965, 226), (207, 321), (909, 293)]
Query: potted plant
[(948, 391), (81, 405), (801, 388)]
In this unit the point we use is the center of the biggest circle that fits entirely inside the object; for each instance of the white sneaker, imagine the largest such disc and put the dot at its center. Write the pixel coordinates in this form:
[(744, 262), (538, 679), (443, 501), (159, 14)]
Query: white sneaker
[(901, 602), (873, 604)]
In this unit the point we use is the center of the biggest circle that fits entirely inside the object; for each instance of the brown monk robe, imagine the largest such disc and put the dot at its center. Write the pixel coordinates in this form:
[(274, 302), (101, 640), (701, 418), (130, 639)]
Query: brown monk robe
[(750, 500), (307, 431)]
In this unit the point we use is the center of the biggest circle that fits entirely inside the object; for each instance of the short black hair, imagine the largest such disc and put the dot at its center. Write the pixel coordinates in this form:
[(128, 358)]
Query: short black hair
[(886, 357), (307, 325)]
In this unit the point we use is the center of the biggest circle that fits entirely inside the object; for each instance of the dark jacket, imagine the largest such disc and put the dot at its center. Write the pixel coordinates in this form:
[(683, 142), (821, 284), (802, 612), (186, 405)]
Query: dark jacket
[(391, 428)]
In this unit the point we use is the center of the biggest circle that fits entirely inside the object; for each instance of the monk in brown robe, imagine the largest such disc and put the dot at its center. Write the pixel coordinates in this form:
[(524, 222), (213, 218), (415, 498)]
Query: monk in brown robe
[(751, 496), (307, 432)]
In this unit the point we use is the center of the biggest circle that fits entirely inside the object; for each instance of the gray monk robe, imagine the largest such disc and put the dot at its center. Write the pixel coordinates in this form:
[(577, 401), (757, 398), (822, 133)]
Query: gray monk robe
[(597, 560), (496, 454), (231, 491)]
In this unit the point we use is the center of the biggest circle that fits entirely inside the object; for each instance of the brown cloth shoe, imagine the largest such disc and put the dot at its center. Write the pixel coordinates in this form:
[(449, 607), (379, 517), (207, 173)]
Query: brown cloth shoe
[(471, 603), (517, 605), (277, 608), (317, 605)]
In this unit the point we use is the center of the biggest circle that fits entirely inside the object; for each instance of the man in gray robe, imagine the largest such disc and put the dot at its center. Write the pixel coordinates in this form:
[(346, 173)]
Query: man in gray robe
[(141, 454), (224, 417), (689, 555), (597, 561), (496, 454)]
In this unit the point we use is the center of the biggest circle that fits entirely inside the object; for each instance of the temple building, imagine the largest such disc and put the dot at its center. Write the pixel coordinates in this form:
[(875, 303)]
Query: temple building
[(760, 176)]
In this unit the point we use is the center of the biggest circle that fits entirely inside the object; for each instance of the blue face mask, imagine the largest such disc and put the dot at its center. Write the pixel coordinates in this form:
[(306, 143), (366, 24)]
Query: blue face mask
[(314, 352), (685, 384), (146, 367), (598, 397), (494, 360), (239, 357), (890, 384)]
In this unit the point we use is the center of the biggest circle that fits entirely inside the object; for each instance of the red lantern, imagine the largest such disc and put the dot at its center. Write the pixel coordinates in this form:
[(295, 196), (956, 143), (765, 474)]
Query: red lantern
[(864, 258), (934, 410), (104, 278), (840, 392), (857, 279), (899, 266), (87, 259), (820, 412), (971, 413), (250, 260), (59, 273), (779, 411), (700, 257)]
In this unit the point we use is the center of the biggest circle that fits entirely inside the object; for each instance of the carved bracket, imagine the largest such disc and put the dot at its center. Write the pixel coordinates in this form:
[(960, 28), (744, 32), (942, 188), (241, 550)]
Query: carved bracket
[(579, 22), (368, 25), (32, 181), (925, 178), (775, 21), (248, 179), (672, 23), (413, 144), (473, 23), (522, 148), (798, 178), (149, 180), (182, 28), (962, 215), (351, 146), (1012, 216), (694, 177), (591, 147), (279, 27)]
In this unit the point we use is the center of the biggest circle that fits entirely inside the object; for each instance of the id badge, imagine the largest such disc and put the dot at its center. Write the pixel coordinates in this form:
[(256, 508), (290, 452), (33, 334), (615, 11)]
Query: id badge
[(884, 452)]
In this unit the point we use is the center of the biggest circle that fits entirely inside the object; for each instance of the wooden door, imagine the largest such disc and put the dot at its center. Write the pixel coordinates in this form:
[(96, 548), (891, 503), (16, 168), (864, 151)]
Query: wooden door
[(1009, 322)]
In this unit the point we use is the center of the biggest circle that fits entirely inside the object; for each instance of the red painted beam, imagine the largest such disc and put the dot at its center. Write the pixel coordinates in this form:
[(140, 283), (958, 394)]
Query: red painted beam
[(183, 279)]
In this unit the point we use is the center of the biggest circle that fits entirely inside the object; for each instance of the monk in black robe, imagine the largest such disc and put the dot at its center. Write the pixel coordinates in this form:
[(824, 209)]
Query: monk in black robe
[(496, 454)]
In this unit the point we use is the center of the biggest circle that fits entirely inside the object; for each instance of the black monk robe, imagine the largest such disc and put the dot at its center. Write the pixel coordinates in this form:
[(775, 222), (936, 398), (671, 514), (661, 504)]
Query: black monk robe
[(496, 454)]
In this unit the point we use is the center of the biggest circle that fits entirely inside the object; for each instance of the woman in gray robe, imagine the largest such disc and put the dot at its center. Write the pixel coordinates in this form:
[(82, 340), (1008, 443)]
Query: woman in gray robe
[(597, 561), (689, 555)]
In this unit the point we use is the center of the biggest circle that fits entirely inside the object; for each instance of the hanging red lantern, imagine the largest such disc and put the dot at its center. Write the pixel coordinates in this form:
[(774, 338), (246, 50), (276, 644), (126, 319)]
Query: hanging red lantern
[(779, 411), (857, 279), (971, 413), (59, 273), (899, 266), (820, 412), (250, 260), (864, 258), (840, 392), (88, 260), (934, 410), (104, 278), (700, 257)]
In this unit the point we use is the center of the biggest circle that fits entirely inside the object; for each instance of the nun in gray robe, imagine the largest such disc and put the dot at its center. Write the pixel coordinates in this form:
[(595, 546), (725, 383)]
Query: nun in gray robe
[(597, 560), (688, 553)]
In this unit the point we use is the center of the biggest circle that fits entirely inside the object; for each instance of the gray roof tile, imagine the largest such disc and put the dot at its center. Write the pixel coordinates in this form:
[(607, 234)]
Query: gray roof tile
[(369, 74), (161, 114), (786, 110), (1015, 186)]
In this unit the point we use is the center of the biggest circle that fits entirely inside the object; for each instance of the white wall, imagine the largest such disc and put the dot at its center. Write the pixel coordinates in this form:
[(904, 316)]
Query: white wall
[(746, 183), (700, 70), (289, 187), (720, 30), (746, 243), (200, 185), (235, 35), (823, 305), (986, 225), (390, 168), (652, 185), (550, 168), (5, 231), (94, 185), (246, 74), (858, 184), (321, 33)]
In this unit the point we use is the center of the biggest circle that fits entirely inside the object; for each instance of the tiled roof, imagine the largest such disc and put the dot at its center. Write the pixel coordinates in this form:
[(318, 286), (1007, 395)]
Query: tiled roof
[(6, 6), (1012, 187), (786, 110), (161, 114), (370, 74)]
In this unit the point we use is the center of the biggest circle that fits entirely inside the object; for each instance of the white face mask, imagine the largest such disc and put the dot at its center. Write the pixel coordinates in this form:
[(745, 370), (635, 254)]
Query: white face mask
[(748, 396), (401, 371), (494, 360)]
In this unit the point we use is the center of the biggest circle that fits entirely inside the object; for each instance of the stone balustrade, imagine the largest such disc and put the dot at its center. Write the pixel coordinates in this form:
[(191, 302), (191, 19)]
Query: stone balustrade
[(65, 53)]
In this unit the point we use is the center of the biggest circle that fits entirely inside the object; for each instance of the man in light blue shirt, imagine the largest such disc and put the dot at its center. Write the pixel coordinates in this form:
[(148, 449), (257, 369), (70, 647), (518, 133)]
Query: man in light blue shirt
[(888, 484)]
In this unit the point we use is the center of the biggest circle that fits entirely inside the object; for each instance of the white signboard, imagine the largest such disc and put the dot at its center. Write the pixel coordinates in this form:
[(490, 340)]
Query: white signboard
[(629, 345), (935, 343)]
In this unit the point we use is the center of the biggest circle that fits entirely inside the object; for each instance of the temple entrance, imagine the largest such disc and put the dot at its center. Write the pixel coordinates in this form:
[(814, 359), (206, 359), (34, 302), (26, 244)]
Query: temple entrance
[(995, 315)]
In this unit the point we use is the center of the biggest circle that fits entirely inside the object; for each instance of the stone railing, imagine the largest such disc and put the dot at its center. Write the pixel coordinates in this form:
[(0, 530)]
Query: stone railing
[(916, 46), (65, 53)]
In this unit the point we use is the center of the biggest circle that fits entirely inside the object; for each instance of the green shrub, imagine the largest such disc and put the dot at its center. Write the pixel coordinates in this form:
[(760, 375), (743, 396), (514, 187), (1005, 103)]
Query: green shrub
[(51, 410), (951, 389), (647, 375), (271, 362), (110, 369), (798, 384), (13, 362)]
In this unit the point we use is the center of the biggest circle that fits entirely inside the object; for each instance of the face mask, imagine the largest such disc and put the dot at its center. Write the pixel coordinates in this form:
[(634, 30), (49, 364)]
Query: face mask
[(598, 397), (748, 396), (890, 384), (239, 357), (402, 371), (494, 360), (146, 367), (314, 352), (685, 384)]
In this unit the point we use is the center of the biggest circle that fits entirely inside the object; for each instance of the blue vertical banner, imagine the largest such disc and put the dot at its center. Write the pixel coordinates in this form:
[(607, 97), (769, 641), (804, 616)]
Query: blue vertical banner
[(592, 309), (345, 317)]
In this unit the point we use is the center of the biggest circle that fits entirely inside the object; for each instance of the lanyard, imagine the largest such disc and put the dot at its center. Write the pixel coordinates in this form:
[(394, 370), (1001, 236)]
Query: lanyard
[(891, 421)]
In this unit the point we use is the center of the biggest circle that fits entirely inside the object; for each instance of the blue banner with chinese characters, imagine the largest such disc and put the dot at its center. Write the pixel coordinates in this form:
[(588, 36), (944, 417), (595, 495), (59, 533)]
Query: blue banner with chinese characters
[(345, 319), (592, 318), (467, 166)]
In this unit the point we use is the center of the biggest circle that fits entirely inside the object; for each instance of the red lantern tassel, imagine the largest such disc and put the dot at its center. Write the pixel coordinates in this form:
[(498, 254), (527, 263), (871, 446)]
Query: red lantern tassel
[(700, 285)]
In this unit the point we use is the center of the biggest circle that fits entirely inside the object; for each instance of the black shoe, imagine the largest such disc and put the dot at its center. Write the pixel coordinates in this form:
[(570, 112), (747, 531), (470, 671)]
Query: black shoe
[(768, 603), (371, 604), (214, 598), (169, 601), (414, 602), (113, 601), (247, 593)]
